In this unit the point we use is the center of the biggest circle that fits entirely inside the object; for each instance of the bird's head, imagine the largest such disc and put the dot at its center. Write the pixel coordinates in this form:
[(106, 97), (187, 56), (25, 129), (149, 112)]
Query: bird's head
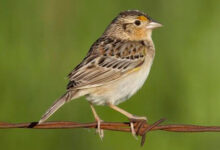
[(132, 25)]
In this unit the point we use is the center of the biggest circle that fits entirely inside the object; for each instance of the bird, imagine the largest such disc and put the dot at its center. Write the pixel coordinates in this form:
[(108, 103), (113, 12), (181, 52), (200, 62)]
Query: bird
[(115, 67)]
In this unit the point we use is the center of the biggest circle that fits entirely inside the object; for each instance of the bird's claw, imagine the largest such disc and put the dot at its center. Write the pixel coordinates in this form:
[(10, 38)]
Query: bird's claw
[(99, 130), (133, 120)]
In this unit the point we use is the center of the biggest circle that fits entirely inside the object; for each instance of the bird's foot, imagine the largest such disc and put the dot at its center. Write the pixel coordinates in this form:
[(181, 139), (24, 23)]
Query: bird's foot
[(99, 130), (98, 120), (136, 119)]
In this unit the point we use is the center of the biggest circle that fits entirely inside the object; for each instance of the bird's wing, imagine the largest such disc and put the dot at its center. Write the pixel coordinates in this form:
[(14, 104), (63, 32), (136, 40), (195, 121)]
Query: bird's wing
[(106, 62)]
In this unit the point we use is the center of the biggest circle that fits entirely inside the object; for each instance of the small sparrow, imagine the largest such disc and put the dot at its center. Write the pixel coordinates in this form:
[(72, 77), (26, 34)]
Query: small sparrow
[(115, 67)]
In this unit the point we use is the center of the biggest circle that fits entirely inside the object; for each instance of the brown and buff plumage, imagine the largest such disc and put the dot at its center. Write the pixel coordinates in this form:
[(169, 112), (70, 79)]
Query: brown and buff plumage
[(116, 65)]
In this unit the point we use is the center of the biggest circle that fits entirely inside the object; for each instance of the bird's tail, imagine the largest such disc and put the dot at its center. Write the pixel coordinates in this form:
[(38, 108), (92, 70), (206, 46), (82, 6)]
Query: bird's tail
[(57, 104)]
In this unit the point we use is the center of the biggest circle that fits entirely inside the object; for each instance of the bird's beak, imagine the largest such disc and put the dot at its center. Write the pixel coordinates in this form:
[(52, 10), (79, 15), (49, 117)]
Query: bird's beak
[(153, 25)]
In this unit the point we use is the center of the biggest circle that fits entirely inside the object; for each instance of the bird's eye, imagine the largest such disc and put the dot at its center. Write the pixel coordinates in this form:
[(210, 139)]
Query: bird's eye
[(137, 22)]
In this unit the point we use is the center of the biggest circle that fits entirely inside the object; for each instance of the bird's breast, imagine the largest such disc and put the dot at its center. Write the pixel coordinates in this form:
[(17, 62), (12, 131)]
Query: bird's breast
[(126, 86)]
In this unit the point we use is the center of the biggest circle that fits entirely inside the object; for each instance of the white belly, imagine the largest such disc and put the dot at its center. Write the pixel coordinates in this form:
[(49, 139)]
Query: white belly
[(122, 89)]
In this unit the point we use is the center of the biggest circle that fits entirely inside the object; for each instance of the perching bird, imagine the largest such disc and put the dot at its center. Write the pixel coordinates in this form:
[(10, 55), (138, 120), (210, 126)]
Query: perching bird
[(115, 67)]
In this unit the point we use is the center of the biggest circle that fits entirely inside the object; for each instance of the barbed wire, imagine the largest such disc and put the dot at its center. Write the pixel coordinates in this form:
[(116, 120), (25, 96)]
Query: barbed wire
[(141, 127)]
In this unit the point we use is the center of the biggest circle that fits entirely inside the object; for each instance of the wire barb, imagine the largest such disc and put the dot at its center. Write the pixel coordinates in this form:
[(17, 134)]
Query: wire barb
[(143, 139), (141, 127)]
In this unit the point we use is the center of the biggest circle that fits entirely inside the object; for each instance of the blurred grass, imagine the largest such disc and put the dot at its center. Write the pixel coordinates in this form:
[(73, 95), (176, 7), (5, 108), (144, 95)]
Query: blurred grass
[(41, 42)]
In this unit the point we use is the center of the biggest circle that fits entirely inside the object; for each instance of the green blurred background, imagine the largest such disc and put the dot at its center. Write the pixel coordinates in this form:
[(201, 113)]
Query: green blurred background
[(41, 41)]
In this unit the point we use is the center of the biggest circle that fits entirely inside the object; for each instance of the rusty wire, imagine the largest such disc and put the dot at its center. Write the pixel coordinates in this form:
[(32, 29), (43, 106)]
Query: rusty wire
[(141, 127)]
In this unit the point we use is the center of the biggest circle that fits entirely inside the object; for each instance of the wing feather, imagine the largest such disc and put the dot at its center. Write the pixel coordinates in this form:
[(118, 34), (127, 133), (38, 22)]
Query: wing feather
[(103, 64)]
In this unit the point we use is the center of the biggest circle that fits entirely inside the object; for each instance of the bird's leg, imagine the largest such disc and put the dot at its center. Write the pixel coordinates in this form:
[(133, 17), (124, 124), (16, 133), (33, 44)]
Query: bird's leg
[(130, 116), (98, 120)]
